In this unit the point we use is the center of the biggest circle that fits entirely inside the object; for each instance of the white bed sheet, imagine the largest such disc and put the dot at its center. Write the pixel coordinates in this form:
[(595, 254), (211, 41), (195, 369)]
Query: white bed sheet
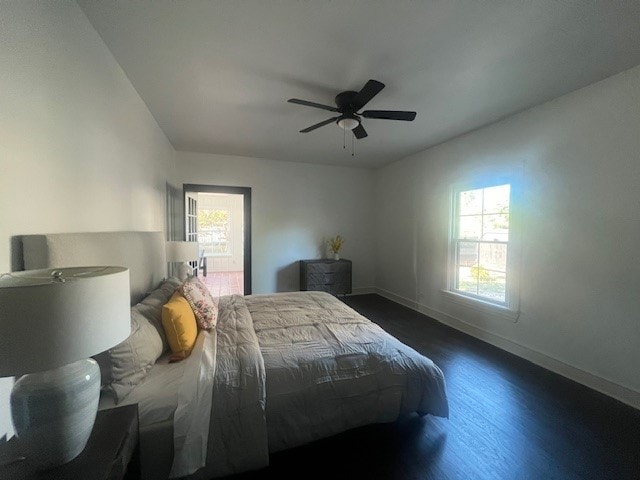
[(193, 412), (173, 412), (157, 396)]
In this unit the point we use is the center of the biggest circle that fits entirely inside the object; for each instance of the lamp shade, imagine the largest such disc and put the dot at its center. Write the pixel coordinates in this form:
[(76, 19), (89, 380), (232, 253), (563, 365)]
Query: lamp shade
[(50, 318), (182, 251)]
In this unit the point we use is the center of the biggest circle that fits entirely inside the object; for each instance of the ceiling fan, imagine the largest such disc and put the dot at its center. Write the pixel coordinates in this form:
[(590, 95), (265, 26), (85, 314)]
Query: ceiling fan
[(349, 103)]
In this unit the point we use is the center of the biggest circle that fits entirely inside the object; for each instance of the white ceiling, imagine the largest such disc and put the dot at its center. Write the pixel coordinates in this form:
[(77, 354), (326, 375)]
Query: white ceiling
[(216, 75)]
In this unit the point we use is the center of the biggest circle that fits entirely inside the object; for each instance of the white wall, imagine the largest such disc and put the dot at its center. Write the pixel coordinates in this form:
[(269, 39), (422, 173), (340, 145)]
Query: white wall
[(296, 207), (578, 159), (79, 150)]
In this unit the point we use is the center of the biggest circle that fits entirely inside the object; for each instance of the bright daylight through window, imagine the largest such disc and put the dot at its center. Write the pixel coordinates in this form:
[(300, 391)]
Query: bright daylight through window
[(480, 244), (214, 227)]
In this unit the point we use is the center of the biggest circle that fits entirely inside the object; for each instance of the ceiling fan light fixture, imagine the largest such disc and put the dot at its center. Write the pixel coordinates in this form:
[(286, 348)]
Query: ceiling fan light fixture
[(348, 123)]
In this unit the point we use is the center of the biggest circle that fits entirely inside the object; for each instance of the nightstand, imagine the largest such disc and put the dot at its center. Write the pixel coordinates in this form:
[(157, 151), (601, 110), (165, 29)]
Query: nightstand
[(112, 452)]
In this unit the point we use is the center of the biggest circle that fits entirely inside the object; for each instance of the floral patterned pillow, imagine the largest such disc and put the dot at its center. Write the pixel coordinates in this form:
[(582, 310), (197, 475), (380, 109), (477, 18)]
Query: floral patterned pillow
[(203, 304)]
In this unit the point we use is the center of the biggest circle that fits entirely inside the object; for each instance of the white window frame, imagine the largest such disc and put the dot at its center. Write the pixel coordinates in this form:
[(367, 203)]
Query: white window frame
[(508, 309)]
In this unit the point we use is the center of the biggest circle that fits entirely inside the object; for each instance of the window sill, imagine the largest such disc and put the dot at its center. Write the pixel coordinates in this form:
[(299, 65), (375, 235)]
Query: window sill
[(485, 307)]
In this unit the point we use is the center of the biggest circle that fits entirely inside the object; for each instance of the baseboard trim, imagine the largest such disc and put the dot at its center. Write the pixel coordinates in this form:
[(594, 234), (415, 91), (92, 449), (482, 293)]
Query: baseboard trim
[(602, 385), (363, 291)]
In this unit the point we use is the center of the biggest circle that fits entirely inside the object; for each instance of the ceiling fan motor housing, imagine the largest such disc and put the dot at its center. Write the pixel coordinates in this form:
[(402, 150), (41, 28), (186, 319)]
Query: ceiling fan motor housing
[(344, 102)]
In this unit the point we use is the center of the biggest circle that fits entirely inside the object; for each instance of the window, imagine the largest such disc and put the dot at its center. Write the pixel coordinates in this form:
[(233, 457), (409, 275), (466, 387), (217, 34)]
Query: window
[(214, 230), (480, 244)]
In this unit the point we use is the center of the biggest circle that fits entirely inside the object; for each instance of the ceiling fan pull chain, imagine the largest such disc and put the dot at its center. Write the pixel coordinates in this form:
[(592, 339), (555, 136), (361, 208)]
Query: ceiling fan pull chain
[(353, 143), (344, 139)]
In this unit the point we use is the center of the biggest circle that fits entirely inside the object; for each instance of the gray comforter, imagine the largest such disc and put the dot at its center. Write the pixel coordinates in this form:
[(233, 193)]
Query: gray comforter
[(297, 367)]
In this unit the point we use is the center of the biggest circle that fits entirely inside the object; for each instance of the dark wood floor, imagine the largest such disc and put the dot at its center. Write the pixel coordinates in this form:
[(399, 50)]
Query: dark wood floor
[(509, 420)]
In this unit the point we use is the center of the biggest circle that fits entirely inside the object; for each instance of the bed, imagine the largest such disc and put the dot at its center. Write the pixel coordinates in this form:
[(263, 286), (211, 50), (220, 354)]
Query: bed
[(278, 371)]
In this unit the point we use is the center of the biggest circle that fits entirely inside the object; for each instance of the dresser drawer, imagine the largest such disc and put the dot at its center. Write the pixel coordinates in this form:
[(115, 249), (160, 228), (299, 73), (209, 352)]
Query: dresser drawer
[(328, 268), (324, 278), (332, 276)]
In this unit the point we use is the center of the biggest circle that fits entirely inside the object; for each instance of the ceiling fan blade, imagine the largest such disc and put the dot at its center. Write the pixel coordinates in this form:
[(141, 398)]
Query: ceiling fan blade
[(390, 115), (370, 90), (359, 132), (318, 125), (312, 104)]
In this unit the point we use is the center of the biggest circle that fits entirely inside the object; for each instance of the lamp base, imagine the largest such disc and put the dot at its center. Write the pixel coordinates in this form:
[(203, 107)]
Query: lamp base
[(184, 270), (53, 412)]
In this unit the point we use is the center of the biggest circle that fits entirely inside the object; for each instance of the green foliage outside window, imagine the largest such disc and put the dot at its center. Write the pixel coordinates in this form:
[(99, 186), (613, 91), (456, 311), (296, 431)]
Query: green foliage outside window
[(212, 218), (480, 274)]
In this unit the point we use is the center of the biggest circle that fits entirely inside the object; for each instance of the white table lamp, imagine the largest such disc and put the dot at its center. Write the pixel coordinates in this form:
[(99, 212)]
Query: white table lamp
[(51, 321), (182, 252)]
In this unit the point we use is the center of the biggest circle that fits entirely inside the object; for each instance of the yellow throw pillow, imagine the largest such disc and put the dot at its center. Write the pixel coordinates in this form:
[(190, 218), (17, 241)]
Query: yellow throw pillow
[(180, 326)]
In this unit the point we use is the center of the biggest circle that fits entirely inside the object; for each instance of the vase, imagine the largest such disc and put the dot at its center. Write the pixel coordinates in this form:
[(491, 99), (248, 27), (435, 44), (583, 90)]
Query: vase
[(336, 256)]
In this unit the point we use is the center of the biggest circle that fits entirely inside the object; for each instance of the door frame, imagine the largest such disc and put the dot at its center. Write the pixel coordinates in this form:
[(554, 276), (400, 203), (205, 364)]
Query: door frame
[(246, 193)]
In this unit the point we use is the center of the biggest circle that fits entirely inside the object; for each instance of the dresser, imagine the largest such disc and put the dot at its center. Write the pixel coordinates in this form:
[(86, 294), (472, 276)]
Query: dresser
[(332, 276)]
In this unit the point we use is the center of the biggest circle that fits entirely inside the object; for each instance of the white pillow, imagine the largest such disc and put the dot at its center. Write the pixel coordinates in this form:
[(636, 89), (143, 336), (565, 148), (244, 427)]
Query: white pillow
[(151, 306), (126, 365)]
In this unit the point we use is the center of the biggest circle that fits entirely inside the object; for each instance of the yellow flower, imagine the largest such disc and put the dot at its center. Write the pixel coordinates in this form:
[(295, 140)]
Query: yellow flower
[(335, 244)]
